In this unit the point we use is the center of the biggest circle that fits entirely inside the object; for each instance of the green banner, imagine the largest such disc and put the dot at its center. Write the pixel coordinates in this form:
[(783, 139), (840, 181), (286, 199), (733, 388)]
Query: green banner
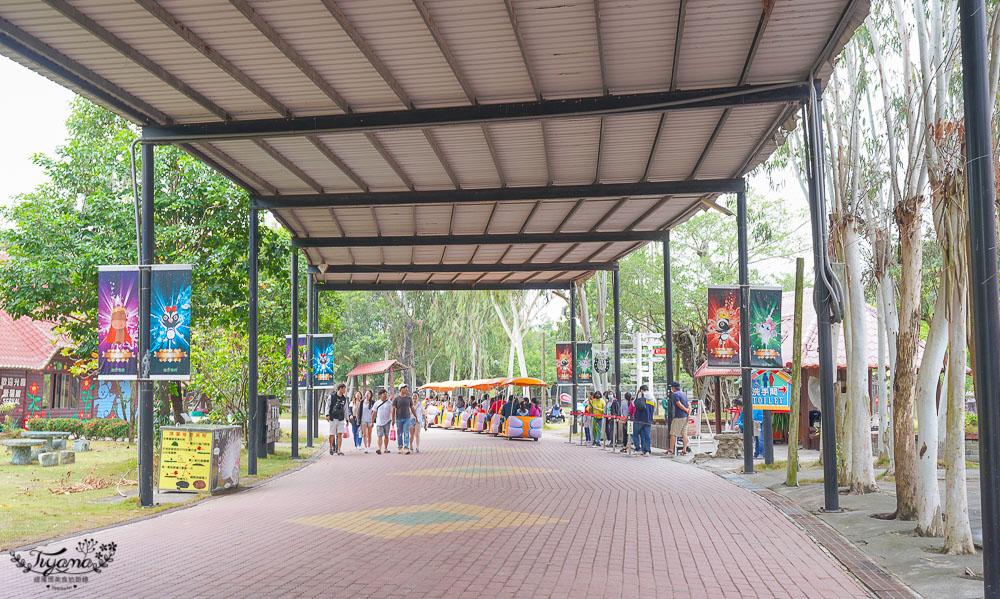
[(765, 327)]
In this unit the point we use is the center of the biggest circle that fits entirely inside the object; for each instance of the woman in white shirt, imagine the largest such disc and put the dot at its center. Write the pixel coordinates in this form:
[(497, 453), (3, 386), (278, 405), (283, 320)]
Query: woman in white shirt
[(367, 418), (416, 424)]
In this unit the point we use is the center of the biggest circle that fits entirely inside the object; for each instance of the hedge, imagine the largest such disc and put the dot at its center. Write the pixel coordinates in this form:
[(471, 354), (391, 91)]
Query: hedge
[(95, 428)]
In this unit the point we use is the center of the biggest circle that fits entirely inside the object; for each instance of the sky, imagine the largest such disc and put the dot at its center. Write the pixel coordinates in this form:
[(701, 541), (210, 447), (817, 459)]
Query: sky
[(33, 114)]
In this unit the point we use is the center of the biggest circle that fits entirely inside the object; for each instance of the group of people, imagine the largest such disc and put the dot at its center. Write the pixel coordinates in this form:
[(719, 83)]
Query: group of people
[(606, 416), (402, 416)]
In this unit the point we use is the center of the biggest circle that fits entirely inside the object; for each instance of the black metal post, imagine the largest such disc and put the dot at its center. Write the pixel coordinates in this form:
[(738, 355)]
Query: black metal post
[(824, 335), (767, 432), (295, 353), (310, 300), (983, 288), (145, 386), (314, 319), (252, 428), (616, 303), (572, 342), (668, 325), (741, 228)]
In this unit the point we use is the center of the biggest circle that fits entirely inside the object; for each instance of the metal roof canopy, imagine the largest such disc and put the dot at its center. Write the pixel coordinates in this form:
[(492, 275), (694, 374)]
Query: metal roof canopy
[(451, 144)]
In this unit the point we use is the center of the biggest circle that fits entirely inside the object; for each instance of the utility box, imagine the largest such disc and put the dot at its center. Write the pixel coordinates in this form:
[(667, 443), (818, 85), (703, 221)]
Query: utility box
[(199, 458)]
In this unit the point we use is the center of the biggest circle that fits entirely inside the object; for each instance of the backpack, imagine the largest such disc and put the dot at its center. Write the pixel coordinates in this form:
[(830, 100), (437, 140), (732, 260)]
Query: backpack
[(337, 407)]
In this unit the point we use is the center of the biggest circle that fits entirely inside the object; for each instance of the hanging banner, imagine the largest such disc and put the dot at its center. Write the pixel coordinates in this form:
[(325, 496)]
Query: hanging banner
[(322, 360), (765, 327), (117, 322), (303, 364), (564, 363), (723, 337), (584, 364), (771, 390), (170, 322)]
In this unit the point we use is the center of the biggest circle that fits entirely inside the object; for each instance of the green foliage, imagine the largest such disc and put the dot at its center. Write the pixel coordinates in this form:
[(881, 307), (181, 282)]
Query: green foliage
[(95, 428), (84, 217), (219, 360)]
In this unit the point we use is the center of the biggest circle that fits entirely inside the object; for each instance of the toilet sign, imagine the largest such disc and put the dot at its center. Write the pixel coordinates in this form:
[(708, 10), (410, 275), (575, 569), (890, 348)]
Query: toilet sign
[(771, 390)]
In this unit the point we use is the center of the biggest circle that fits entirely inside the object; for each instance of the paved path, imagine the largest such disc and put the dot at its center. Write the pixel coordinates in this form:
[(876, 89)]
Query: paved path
[(471, 516)]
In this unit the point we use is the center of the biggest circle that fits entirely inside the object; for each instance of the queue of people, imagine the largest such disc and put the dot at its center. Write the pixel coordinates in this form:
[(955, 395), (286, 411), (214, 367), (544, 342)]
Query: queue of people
[(607, 417)]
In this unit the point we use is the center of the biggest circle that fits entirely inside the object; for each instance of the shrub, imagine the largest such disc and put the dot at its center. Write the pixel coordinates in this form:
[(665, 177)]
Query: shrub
[(95, 428)]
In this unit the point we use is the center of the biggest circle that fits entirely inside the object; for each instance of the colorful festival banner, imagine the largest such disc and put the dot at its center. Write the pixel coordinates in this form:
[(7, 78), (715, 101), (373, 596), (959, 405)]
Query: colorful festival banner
[(584, 363), (303, 365), (322, 361), (723, 337), (117, 322), (771, 390), (170, 322), (564, 363), (765, 327)]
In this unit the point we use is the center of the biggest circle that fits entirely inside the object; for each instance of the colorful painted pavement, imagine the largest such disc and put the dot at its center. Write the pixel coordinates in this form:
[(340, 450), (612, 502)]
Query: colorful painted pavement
[(470, 516)]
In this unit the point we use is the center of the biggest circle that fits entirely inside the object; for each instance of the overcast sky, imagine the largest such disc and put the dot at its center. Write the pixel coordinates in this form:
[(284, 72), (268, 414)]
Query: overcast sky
[(33, 112)]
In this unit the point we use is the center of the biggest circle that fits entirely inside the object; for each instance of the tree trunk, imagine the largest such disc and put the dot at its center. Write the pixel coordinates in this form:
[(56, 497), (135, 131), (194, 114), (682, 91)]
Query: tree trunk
[(907, 216), (862, 474), (957, 532), (929, 523), (792, 468)]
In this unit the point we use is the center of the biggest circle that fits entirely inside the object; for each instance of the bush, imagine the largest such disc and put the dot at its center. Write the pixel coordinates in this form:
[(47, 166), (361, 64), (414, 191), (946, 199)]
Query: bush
[(95, 428)]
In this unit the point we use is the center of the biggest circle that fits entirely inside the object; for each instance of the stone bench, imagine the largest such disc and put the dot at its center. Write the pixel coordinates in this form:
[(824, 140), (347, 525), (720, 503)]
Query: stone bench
[(21, 450), (54, 440), (730, 445)]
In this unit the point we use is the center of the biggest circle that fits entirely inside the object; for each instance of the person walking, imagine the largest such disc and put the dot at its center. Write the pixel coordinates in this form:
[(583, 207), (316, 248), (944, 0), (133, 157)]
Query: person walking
[(335, 415), (643, 407), (682, 412), (383, 421), (402, 411), (416, 423), (367, 420), (354, 418), (597, 413)]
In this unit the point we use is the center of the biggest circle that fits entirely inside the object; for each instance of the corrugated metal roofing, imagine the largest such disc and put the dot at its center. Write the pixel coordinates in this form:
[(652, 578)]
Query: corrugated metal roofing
[(168, 62)]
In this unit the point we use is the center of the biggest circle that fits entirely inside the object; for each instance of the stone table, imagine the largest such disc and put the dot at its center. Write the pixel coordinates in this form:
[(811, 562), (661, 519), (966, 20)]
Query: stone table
[(21, 450), (49, 438)]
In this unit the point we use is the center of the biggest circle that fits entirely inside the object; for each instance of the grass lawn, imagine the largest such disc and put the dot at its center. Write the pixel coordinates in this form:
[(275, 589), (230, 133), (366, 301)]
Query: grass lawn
[(31, 512)]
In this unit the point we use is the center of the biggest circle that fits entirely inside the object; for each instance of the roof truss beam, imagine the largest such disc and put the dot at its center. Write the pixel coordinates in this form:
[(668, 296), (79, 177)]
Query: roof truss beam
[(495, 239), (746, 95), (460, 268), (500, 194), (457, 286)]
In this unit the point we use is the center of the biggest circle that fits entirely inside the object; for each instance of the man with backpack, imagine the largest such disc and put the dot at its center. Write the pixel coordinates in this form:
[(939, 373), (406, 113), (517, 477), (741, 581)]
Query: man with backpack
[(335, 415)]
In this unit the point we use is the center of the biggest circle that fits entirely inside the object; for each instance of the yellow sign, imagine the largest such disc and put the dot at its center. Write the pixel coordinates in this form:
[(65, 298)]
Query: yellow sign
[(186, 461)]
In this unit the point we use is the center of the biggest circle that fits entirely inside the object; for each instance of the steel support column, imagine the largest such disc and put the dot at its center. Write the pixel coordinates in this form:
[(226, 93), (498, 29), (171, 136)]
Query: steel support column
[(668, 325), (616, 303), (983, 286), (295, 353), (822, 299), (253, 443), (741, 228), (310, 399), (145, 386), (572, 342), (312, 379)]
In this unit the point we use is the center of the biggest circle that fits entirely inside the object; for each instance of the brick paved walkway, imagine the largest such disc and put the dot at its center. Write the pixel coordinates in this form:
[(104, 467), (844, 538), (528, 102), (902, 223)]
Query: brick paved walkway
[(471, 516)]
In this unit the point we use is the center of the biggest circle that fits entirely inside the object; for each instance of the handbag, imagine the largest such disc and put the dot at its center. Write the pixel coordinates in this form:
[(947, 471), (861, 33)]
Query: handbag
[(392, 434)]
